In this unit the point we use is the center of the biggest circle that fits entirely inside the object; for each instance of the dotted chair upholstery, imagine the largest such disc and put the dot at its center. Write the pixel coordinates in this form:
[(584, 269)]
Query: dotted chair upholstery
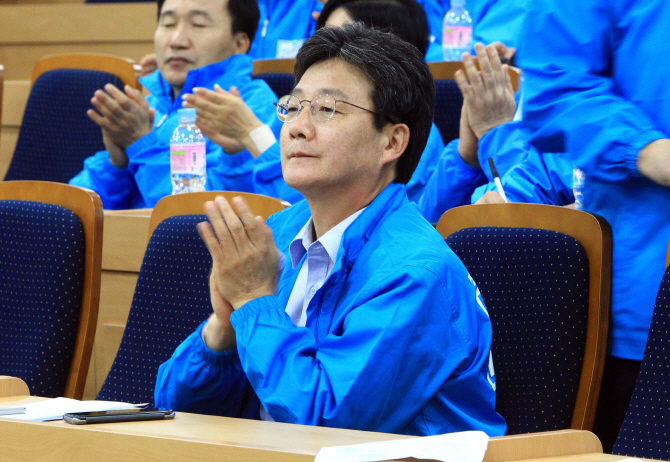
[(56, 135), (448, 103), (41, 279), (646, 428), (535, 285), (171, 299), (280, 83)]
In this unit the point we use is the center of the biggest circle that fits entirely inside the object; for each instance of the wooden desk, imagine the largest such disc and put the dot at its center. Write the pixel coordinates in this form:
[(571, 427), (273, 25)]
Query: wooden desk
[(206, 438), (124, 242)]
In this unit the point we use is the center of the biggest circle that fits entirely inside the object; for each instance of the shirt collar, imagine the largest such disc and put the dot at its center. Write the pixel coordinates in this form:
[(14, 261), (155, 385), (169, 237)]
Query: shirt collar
[(330, 241)]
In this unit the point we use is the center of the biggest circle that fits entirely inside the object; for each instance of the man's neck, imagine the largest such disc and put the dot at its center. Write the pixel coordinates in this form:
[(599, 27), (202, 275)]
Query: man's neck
[(330, 208)]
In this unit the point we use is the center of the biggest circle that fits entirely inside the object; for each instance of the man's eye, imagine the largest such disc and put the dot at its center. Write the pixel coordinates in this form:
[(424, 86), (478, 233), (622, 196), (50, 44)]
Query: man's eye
[(199, 25), (291, 109), (326, 109), (168, 24)]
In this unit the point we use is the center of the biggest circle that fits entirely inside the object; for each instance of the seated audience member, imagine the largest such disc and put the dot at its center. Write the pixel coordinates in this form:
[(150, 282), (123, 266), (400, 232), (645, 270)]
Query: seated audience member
[(283, 27), (492, 21), (198, 43), (407, 20), (360, 316)]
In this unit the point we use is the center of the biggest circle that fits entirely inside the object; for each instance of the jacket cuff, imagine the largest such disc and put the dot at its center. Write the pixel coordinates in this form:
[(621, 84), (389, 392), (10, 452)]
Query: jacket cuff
[(148, 141), (211, 357), (251, 309), (631, 153)]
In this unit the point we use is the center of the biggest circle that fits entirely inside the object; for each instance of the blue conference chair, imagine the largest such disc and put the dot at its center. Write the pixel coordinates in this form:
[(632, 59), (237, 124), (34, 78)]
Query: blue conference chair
[(172, 294), (56, 135), (645, 429), (49, 284), (544, 276), (277, 73)]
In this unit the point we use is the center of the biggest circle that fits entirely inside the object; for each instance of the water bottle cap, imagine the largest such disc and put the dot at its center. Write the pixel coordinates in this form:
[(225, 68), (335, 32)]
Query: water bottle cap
[(458, 3), (186, 115)]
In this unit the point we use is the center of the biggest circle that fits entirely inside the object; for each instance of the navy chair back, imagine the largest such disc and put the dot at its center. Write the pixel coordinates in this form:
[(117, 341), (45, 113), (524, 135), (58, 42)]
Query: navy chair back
[(41, 281), (544, 276), (280, 83), (56, 135), (448, 103), (645, 429), (171, 299), (537, 308)]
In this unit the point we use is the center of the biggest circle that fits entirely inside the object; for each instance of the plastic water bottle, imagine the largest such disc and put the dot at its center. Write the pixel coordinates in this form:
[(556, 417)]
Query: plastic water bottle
[(188, 163), (578, 178), (456, 31)]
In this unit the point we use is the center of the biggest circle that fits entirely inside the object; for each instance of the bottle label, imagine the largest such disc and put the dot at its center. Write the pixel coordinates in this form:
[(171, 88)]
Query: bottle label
[(188, 158), (457, 36)]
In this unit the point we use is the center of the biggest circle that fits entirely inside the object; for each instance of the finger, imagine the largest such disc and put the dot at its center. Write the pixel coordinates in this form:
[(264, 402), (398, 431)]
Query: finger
[(209, 238), (235, 225), (496, 64), (120, 97), (97, 118), (472, 73), (463, 85), (110, 106), (105, 105), (235, 92), (485, 66), (136, 96), (220, 228), (249, 221)]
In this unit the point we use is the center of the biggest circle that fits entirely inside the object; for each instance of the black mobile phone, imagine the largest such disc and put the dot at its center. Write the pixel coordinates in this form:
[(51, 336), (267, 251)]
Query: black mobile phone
[(127, 415)]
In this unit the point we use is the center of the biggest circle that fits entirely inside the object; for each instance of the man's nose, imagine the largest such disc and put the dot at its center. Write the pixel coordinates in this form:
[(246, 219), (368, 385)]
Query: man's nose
[(303, 125), (179, 37)]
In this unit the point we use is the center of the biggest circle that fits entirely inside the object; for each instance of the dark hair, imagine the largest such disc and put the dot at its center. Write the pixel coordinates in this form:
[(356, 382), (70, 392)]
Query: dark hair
[(244, 15), (402, 85), (405, 18)]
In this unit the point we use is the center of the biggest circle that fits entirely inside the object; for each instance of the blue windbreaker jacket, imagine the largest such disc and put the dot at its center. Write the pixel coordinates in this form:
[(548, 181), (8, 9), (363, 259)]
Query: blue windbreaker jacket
[(147, 177), (283, 27), (596, 86), (397, 338)]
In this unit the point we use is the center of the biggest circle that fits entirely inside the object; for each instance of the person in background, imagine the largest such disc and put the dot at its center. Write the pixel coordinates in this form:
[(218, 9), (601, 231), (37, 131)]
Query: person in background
[(199, 43), (407, 20), (597, 94), (360, 316)]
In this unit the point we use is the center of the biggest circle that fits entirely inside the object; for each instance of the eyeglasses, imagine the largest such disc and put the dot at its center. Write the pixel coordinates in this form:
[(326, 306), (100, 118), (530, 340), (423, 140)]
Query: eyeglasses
[(322, 107)]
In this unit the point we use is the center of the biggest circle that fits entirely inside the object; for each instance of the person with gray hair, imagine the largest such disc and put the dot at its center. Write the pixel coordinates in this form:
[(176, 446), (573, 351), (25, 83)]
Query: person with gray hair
[(347, 309)]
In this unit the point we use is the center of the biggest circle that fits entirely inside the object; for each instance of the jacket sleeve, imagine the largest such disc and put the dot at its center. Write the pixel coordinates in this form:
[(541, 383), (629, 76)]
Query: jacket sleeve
[(199, 380), (329, 382), (450, 185), (570, 100), (115, 186)]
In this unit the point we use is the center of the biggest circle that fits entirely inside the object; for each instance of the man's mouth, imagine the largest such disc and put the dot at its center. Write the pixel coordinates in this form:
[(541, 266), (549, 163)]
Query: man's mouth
[(177, 60)]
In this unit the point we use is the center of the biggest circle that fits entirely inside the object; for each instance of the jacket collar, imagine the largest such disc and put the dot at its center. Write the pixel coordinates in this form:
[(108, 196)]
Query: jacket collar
[(226, 73)]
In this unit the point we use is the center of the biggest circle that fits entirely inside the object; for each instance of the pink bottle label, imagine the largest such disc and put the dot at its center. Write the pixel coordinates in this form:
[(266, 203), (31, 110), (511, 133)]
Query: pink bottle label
[(188, 158), (457, 36)]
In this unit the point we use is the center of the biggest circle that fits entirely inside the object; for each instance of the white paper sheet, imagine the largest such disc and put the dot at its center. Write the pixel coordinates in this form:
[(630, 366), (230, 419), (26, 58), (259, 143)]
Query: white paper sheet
[(456, 447), (53, 409)]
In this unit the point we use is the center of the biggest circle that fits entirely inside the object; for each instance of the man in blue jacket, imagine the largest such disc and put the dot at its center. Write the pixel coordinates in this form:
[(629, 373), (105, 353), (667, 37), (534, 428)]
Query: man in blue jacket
[(361, 316), (198, 43), (595, 89)]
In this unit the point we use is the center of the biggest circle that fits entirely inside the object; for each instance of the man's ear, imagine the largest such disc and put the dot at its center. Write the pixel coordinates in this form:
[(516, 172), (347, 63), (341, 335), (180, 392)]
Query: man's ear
[(242, 42), (396, 142)]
